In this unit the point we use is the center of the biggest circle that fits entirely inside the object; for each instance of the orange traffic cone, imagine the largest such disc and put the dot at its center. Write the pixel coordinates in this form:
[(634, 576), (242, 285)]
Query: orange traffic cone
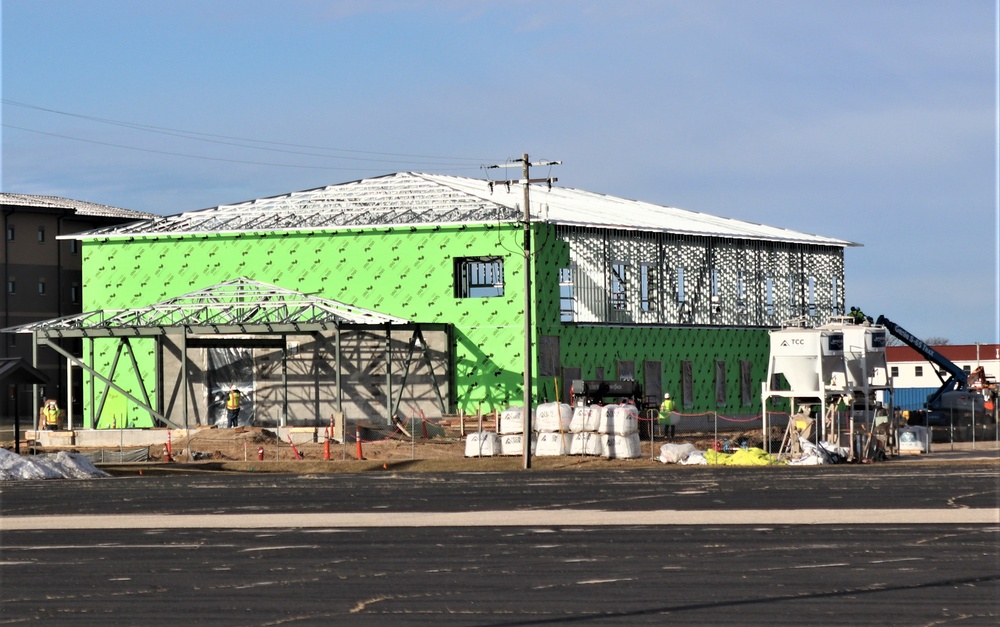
[(357, 438), (168, 453), (326, 449)]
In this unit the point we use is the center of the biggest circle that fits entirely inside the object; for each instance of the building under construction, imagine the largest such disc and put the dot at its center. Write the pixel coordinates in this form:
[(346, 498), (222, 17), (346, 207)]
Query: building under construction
[(405, 293)]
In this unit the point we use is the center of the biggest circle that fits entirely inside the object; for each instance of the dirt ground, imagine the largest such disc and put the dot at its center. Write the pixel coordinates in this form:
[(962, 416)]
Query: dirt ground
[(254, 449), (242, 449)]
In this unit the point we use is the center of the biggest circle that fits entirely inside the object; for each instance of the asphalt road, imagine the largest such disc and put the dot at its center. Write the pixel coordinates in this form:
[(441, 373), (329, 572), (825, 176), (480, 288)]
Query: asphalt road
[(878, 544)]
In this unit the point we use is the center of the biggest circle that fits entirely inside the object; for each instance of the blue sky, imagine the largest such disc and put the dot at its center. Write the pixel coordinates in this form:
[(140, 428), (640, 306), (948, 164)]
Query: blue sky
[(874, 122)]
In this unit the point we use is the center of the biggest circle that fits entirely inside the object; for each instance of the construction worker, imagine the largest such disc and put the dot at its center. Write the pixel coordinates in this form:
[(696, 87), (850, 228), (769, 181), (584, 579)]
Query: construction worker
[(50, 414), (668, 419), (233, 406)]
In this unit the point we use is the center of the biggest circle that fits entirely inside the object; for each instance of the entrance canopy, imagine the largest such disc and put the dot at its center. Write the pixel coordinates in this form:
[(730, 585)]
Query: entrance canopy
[(239, 307)]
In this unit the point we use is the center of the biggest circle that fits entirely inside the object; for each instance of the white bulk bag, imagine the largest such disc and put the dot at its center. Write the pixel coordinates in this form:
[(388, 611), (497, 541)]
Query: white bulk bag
[(482, 444), (621, 446), (511, 421), (605, 418), (578, 424), (586, 418), (512, 444), (552, 444), (553, 418), (619, 419), (586, 443)]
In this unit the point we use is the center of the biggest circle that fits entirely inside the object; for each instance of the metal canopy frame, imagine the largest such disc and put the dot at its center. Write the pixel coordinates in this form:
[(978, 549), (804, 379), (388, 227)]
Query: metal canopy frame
[(237, 307)]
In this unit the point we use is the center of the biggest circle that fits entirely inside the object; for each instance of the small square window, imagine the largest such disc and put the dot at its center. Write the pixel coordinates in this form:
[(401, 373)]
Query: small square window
[(918, 371), (41, 234), (74, 294), (10, 232), (895, 371), (74, 247), (478, 277), (41, 288), (11, 286)]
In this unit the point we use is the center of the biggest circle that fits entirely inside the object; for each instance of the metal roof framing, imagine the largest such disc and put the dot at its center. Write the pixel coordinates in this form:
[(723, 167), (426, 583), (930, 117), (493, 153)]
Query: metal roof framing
[(238, 306), (409, 199)]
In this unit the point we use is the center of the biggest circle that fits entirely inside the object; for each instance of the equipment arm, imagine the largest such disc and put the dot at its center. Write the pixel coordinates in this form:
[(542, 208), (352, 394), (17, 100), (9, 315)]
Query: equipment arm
[(958, 380)]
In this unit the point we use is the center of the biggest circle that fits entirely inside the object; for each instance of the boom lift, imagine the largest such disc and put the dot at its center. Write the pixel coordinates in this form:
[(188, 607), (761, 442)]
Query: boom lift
[(962, 398)]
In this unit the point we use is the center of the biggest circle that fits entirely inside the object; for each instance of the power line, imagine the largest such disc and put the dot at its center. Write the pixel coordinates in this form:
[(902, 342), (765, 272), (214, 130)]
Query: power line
[(228, 140), (189, 156)]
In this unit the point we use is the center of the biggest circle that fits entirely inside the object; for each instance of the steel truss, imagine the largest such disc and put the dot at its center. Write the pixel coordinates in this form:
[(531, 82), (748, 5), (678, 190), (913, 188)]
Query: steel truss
[(252, 313)]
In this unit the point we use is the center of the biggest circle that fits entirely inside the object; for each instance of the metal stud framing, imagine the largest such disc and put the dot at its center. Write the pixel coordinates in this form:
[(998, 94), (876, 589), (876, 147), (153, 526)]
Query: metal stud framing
[(663, 278)]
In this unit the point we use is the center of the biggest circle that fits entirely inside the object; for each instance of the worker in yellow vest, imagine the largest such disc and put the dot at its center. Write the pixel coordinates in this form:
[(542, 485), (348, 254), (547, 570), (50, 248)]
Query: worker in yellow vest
[(233, 406), (668, 419), (50, 414)]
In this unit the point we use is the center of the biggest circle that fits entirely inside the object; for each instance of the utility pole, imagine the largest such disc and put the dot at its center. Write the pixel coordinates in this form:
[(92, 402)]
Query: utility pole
[(527, 181)]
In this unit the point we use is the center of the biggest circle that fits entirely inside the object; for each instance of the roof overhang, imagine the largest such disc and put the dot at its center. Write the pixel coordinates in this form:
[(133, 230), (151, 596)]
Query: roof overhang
[(235, 307)]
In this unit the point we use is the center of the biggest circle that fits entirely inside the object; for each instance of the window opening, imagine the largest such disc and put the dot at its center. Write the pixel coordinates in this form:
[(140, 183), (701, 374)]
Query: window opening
[(687, 384), (478, 277), (793, 300), (746, 382), (647, 290), (720, 383), (41, 234), (567, 305), (811, 295), (713, 284), (741, 290), (619, 294)]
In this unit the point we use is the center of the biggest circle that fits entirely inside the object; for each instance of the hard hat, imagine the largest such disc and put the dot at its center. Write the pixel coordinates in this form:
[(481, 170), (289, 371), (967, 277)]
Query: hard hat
[(666, 396)]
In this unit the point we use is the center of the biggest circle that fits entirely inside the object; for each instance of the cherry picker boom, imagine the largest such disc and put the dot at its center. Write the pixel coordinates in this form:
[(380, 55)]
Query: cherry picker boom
[(962, 400)]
